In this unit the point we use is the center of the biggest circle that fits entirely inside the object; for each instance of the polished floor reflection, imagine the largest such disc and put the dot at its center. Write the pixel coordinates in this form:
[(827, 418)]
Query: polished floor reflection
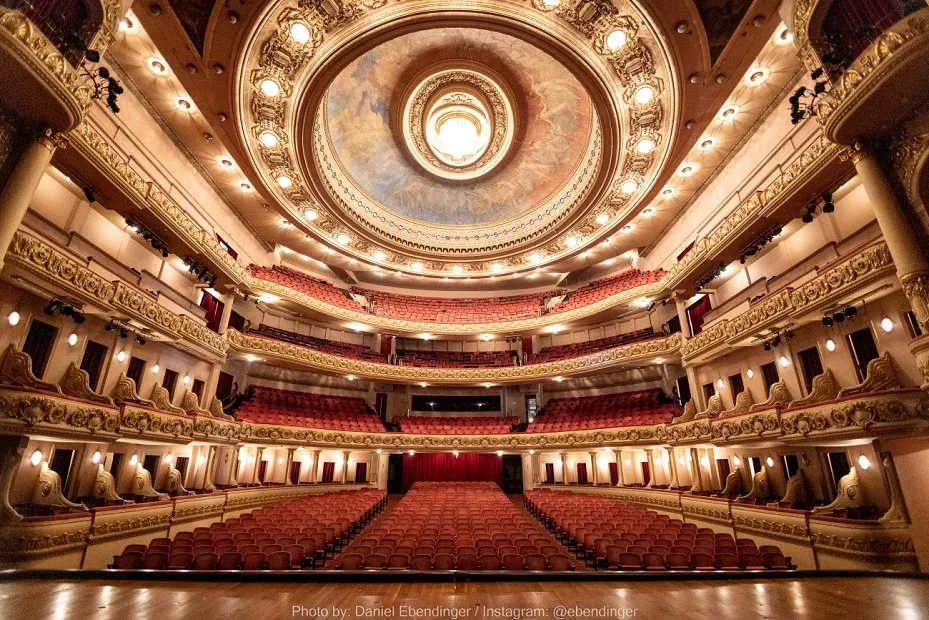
[(834, 597)]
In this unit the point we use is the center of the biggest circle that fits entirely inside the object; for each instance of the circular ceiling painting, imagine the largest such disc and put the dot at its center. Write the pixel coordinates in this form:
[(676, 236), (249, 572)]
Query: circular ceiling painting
[(459, 138)]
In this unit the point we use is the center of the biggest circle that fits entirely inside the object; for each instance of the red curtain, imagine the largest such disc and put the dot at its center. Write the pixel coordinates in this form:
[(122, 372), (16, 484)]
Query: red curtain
[(361, 473), (527, 347), (328, 472), (214, 310), (386, 342), (444, 467), (697, 311), (614, 473), (582, 473)]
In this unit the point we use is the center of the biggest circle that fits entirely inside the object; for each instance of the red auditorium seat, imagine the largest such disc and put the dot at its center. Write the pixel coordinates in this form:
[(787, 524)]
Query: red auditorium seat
[(446, 425), (567, 351), (306, 409), (604, 411), (352, 561)]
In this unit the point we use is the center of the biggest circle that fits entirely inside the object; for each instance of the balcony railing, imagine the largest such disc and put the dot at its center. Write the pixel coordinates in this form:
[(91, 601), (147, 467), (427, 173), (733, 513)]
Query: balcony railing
[(68, 24)]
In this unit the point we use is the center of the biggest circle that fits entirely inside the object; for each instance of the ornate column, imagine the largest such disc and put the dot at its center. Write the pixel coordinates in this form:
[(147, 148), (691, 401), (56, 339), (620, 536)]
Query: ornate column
[(290, 462), (208, 472), (682, 316), (11, 454), (536, 469), (233, 459), (258, 453), (20, 188), (594, 467), (564, 469), (697, 484), (619, 469), (672, 464), (314, 466), (345, 454), (227, 312), (653, 471)]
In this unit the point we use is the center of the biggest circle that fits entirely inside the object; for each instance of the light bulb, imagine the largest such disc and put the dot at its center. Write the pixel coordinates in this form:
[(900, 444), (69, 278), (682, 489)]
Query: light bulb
[(751, 373), (14, 318), (95, 458), (784, 361), (270, 88), (644, 94), (285, 181), (887, 325), (737, 461), (36, 457), (155, 369), (603, 218), (645, 145), (300, 33), (269, 139), (72, 339), (769, 461), (830, 345), (864, 462)]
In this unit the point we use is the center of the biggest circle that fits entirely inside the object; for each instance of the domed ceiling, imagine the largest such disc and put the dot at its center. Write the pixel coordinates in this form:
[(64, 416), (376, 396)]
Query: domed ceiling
[(365, 142)]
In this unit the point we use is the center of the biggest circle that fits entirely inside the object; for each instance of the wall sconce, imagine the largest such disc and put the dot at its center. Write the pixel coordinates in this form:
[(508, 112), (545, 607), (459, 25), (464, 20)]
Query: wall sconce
[(736, 461), (168, 458), (680, 460), (830, 345), (251, 459), (864, 462), (784, 361), (532, 452), (14, 318), (36, 458), (280, 460), (156, 368), (186, 379), (628, 462), (750, 373), (72, 339), (412, 452), (705, 462), (719, 383), (134, 459), (201, 460), (95, 458), (499, 452), (378, 451), (339, 462), (455, 453), (769, 461), (887, 325), (121, 357)]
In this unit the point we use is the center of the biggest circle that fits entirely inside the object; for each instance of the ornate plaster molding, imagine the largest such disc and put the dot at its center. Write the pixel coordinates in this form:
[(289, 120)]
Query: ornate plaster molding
[(162, 400), (880, 376), (16, 369), (48, 491), (778, 396), (105, 486), (825, 387), (76, 382)]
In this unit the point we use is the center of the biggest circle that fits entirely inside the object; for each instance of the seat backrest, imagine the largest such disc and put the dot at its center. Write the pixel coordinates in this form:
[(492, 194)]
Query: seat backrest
[(677, 560), (443, 561), (205, 561), (536, 561), (375, 560), (255, 560), (727, 560), (701, 560), (279, 560), (229, 561), (559, 562), (653, 560), (352, 561), (398, 560), (467, 562), (421, 561), (630, 559), (180, 560), (513, 561), (158, 561)]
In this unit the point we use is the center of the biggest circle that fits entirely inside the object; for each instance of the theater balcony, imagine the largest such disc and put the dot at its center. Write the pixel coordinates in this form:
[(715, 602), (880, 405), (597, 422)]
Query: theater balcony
[(872, 51), (46, 49)]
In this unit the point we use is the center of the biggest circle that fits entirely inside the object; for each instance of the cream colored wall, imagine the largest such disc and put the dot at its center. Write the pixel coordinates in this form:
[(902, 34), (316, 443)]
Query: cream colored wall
[(911, 460)]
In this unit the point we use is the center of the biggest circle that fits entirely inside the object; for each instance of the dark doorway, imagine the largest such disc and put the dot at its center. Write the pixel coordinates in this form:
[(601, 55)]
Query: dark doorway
[(262, 470), (839, 466), (181, 466), (770, 376), (864, 349), (582, 473), (295, 468), (811, 365), (724, 469), (614, 473), (61, 465), (134, 372), (549, 473), (38, 345), (170, 382), (92, 362), (150, 464), (512, 474), (646, 473), (395, 473), (328, 472), (361, 473)]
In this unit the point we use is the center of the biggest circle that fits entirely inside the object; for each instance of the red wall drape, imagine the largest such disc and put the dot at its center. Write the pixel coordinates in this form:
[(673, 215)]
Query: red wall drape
[(443, 467), (214, 310), (697, 311)]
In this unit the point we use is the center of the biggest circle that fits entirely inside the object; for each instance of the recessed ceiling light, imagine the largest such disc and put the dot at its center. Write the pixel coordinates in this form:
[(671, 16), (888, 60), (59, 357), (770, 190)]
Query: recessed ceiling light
[(784, 36), (379, 256), (551, 2), (627, 228), (645, 145), (667, 193), (616, 39), (300, 33), (647, 211), (688, 170), (756, 76), (571, 241), (535, 258), (554, 329), (310, 214), (185, 105), (284, 181), (603, 218), (343, 238), (416, 266), (487, 337), (496, 267), (456, 269), (629, 186), (644, 94), (245, 187), (158, 66), (226, 163), (729, 113), (270, 88), (269, 139)]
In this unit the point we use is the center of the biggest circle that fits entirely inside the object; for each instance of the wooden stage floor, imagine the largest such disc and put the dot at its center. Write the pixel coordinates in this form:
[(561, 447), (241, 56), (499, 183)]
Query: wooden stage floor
[(845, 598)]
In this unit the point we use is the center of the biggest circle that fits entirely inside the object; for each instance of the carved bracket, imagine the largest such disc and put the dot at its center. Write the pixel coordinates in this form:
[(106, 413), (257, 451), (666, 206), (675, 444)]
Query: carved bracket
[(48, 491), (16, 369), (880, 376), (848, 495), (162, 400), (825, 387), (76, 382), (778, 396)]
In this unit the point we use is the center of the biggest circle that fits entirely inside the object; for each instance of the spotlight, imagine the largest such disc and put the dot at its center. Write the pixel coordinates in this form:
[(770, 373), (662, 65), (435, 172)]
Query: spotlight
[(52, 307), (838, 317), (110, 327), (140, 339), (828, 205), (767, 346), (90, 194), (776, 341), (123, 333), (827, 321), (850, 312), (807, 218), (79, 318)]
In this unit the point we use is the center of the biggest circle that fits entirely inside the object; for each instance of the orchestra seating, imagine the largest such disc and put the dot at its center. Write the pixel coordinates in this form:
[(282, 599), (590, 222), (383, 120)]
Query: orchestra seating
[(288, 535), (307, 284), (456, 359), (605, 287), (271, 406), (618, 535), (604, 411), (577, 349), (454, 309), (424, 425), (464, 526), (342, 349)]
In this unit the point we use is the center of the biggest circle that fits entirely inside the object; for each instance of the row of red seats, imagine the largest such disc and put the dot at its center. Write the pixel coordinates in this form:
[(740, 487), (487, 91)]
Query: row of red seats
[(290, 535), (271, 406), (604, 411), (456, 359), (463, 526), (342, 349), (577, 349), (619, 535), (454, 310), (305, 283), (423, 425)]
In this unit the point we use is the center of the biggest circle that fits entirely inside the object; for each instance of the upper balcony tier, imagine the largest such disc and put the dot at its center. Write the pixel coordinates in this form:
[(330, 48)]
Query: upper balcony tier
[(43, 50), (875, 52)]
